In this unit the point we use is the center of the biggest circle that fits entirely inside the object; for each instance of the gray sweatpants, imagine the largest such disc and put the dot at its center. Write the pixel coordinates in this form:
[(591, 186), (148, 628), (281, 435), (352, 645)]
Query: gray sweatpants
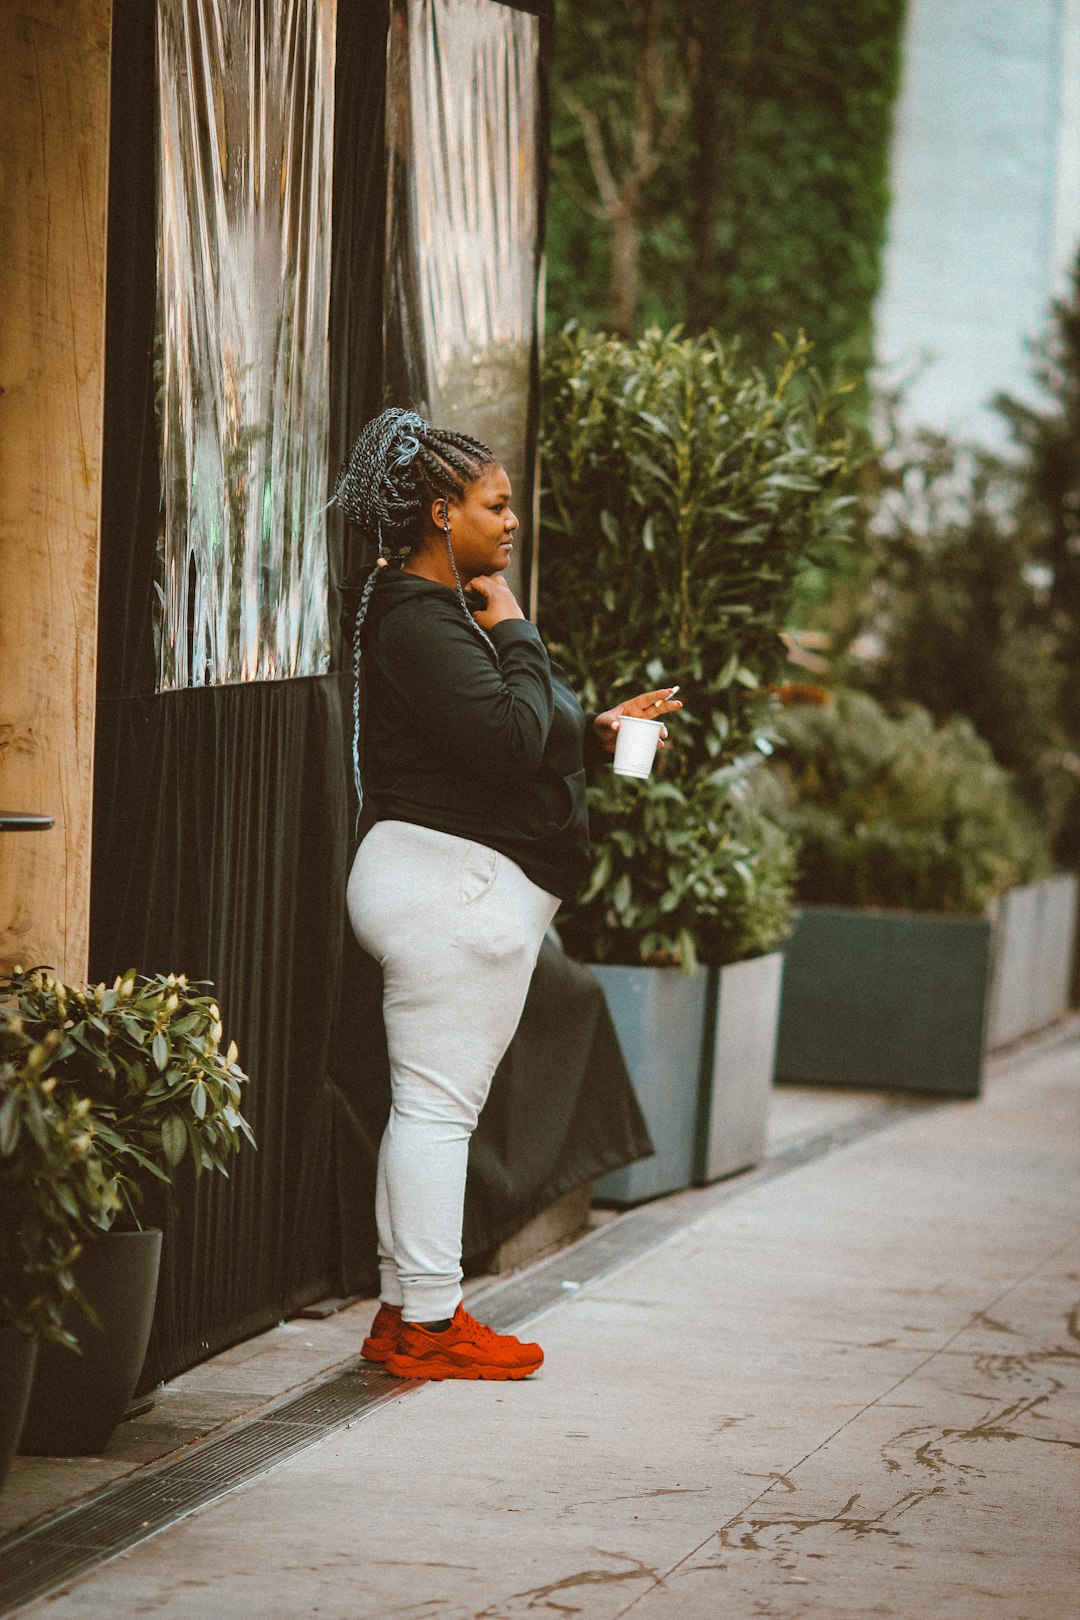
[(456, 928)]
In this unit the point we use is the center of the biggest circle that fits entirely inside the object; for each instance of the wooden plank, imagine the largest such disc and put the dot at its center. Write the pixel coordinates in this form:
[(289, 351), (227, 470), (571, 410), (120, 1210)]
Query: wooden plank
[(54, 142)]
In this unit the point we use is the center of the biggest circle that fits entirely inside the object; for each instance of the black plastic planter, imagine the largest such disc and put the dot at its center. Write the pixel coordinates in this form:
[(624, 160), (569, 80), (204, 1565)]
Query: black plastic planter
[(888, 1001), (77, 1400), (18, 1354)]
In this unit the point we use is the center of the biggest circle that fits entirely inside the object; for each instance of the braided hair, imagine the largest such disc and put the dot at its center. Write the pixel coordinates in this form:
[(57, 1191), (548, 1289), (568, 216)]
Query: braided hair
[(397, 467)]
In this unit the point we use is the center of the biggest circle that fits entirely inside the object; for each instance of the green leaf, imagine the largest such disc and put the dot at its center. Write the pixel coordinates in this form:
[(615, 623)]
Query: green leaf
[(688, 951), (174, 1138), (728, 673), (159, 1048), (9, 1123), (198, 1100), (601, 874), (67, 1200)]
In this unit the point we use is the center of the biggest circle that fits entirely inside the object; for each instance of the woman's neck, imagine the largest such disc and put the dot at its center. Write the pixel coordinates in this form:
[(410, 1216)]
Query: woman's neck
[(432, 565)]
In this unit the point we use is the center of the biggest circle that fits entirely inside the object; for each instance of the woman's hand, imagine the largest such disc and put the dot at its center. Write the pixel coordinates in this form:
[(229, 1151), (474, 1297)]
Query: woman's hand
[(501, 601), (647, 706)]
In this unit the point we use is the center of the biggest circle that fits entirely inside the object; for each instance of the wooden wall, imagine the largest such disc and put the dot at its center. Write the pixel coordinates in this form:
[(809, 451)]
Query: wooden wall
[(54, 144)]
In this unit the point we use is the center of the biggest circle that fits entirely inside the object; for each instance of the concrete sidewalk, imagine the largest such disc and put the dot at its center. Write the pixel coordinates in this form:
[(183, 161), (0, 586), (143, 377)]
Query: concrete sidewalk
[(853, 1390)]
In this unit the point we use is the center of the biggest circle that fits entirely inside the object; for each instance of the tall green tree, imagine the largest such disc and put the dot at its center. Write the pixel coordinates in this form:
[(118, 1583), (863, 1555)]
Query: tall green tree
[(1048, 479), (950, 610), (967, 595), (724, 166), (623, 84)]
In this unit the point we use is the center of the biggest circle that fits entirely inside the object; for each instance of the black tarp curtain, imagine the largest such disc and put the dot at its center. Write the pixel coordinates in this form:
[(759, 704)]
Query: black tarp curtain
[(222, 827)]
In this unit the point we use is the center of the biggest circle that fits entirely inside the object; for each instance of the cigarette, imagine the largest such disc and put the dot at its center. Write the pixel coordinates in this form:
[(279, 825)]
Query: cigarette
[(668, 699)]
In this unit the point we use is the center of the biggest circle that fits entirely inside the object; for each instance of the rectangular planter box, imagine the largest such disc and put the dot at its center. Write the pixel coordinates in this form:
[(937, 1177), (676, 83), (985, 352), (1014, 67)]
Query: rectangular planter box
[(660, 1017), (1031, 982), (889, 1001), (734, 1122)]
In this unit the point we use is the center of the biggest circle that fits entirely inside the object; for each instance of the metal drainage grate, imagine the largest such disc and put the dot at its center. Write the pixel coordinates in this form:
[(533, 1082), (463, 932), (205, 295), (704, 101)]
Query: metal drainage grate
[(57, 1550), (78, 1538)]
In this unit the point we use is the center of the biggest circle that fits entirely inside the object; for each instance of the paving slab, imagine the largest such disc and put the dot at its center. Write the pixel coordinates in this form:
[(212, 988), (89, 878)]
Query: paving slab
[(851, 1391)]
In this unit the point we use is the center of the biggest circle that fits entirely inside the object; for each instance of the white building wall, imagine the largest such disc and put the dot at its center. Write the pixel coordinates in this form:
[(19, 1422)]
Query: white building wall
[(985, 218)]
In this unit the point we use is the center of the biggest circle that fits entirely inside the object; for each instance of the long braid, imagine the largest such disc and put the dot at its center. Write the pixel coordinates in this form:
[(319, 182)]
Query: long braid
[(481, 632), (358, 624), (398, 463)]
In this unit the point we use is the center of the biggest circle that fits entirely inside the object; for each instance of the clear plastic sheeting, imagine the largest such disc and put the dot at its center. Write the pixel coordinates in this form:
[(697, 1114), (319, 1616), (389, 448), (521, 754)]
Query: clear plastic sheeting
[(246, 128), (461, 134)]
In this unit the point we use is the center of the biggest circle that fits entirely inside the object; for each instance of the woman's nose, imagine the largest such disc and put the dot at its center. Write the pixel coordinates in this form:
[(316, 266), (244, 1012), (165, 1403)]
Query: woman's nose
[(511, 522)]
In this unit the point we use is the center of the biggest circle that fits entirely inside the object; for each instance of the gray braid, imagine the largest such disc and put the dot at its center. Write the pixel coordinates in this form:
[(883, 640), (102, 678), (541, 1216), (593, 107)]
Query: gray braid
[(397, 465)]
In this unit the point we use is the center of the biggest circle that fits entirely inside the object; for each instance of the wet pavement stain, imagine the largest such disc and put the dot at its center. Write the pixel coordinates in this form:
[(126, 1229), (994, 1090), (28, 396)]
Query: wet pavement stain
[(1022, 1367), (641, 1496), (986, 1321), (721, 1425), (999, 1423), (544, 1597), (736, 1538), (417, 1563)]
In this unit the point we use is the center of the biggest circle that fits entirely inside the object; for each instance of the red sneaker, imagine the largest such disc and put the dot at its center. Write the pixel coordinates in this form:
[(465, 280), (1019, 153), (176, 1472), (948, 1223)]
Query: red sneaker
[(467, 1349), (384, 1333)]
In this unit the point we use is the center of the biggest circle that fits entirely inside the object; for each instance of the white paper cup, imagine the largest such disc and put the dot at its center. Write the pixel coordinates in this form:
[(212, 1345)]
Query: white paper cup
[(635, 746)]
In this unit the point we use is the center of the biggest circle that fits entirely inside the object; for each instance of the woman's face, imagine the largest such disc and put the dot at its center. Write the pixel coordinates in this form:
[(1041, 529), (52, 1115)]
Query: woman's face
[(482, 525)]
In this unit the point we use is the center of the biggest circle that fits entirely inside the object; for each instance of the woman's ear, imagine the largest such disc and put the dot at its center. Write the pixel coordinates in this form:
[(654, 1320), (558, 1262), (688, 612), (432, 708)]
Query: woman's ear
[(440, 513)]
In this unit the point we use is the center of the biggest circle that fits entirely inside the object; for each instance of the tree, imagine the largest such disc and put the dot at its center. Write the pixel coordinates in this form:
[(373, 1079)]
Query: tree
[(952, 612), (723, 166), (623, 86), (1048, 483), (1047, 479)]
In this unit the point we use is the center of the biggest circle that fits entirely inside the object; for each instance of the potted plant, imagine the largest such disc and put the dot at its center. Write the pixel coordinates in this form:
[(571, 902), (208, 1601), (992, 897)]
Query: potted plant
[(684, 497), (689, 897), (54, 1190), (907, 832), (145, 1055)]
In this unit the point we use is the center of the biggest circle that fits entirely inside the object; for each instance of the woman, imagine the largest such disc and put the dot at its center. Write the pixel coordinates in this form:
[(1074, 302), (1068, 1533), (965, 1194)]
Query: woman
[(474, 761)]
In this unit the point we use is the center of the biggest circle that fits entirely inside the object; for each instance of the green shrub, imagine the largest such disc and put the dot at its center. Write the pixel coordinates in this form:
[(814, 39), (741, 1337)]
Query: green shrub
[(683, 496), (893, 811), (679, 876), (55, 1189)]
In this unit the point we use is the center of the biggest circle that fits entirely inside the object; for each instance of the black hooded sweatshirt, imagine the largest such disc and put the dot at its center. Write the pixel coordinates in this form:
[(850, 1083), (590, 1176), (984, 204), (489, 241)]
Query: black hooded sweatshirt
[(483, 747)]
